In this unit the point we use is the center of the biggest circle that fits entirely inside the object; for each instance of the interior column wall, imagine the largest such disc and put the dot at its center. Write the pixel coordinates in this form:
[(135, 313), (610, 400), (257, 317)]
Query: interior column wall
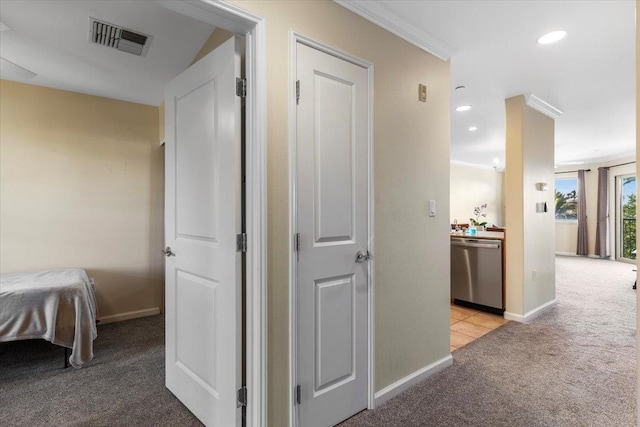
[(530, 283)]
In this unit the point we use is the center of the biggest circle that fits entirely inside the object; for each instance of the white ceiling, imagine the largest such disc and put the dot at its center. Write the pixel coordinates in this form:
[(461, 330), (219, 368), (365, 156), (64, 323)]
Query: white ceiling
[(589, 75), (50, 38)]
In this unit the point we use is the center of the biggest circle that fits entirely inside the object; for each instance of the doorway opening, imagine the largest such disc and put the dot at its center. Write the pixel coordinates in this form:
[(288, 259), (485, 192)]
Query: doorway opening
[(253, 28)]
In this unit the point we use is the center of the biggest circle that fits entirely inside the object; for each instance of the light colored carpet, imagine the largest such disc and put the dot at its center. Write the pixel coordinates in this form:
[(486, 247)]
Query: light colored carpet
[(575, 365)]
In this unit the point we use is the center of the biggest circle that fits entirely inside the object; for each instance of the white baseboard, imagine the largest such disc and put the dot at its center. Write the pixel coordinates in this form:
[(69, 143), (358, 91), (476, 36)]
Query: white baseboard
[(514, 317), (392, 390), (588, 256), (531, 314), (130, 315)]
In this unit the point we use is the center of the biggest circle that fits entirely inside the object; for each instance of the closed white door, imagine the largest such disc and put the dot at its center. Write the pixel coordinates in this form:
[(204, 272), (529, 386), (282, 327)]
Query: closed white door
[(332, 223), (202, 219)]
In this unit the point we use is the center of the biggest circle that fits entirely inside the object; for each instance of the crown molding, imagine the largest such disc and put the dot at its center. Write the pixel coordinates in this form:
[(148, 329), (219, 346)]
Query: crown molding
[(543, 107), (382, 16), (476, 165), (598, 161)]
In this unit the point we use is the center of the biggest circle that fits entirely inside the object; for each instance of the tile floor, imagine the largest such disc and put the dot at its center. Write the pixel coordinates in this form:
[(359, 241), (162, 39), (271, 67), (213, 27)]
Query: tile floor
[(468, 324)]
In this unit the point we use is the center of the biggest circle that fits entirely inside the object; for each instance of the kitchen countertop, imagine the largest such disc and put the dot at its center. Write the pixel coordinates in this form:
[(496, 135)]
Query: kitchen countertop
[(495, 235)]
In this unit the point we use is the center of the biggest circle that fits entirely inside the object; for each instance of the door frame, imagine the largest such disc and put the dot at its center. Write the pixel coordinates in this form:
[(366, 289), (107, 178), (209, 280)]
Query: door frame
[(295, 38), (240, 21), (614, 172), (618, 226)]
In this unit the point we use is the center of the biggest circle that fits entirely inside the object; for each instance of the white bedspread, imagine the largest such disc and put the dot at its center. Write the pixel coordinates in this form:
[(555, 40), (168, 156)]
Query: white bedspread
[(56, 305)]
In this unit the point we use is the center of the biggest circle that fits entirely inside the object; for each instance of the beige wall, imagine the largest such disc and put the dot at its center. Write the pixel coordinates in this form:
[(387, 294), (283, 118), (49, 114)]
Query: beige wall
[(530, 235), (81, 186), (217, 37), (567, 232), (411, 166), (567, 237), (474, 186), (161, 122)]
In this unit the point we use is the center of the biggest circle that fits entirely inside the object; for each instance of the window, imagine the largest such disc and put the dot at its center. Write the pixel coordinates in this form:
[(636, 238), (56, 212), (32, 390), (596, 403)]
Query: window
[(567, 199)]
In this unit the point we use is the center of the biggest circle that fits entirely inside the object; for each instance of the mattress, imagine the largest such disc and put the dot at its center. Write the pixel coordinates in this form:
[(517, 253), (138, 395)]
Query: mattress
[(55, 305)]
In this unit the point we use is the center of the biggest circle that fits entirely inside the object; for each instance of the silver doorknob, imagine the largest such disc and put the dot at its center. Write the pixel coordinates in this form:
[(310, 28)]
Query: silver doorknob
[(167, 252), (363, 256)]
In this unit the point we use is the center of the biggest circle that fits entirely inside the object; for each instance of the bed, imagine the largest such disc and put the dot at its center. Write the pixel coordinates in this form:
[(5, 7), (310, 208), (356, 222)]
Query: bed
[(55, 305)]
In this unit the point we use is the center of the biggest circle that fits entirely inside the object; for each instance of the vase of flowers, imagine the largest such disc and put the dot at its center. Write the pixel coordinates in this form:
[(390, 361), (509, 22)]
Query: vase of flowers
[(479, 213)]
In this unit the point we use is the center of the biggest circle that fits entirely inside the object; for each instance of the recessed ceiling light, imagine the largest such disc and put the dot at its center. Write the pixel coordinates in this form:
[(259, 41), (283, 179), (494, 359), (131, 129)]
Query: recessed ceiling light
[(463, 108), (552, 37), (473, 128)]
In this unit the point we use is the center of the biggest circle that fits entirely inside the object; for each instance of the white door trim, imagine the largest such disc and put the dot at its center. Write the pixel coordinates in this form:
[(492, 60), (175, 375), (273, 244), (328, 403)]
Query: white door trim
[(295, 38), (240, 21)]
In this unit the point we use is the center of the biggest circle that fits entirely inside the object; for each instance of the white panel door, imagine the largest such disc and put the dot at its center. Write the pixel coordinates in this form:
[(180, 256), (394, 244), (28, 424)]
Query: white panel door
[(332, 220), (202, 218)]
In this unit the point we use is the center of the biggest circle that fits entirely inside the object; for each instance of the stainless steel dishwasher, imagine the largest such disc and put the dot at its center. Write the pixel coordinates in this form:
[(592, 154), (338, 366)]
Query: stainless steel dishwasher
[(476, 273)]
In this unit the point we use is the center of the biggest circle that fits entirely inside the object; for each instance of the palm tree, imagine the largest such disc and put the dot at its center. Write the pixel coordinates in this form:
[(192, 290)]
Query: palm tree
[(566, 205)]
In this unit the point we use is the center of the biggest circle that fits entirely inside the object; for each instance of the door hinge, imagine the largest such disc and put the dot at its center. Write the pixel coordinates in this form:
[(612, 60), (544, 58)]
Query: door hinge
[(297, 242), (297, 92), (241, 242), (298, 394), (241, 87), (242, 397)]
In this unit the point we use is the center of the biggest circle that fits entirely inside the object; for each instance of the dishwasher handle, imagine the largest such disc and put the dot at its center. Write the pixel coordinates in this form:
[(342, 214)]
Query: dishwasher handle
[(475, 244)]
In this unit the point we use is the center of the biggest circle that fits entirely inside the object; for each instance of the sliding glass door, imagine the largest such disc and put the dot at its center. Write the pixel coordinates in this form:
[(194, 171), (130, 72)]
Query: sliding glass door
[(626, 217)]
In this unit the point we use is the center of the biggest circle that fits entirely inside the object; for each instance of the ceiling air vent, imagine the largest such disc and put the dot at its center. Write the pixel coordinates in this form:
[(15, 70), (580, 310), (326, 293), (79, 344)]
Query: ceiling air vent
[(120, 38)]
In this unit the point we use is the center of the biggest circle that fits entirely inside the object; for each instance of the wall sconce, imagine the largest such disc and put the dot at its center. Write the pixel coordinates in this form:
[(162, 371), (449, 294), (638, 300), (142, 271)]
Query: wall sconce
[(542, 186)]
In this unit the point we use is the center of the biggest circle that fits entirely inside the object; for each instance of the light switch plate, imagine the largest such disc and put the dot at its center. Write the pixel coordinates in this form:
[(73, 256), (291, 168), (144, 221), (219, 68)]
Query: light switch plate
[(432, 208), (422, 92)]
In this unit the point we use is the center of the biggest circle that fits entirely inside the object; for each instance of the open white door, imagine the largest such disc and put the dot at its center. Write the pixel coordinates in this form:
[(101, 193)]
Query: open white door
[(202, 219)]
